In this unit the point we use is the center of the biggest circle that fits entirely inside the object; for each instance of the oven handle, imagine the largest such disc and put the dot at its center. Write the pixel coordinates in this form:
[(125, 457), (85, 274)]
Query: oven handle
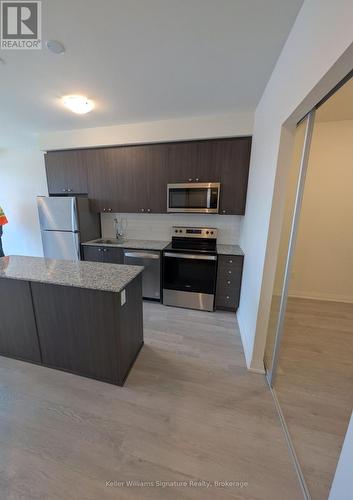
[(190, 256)]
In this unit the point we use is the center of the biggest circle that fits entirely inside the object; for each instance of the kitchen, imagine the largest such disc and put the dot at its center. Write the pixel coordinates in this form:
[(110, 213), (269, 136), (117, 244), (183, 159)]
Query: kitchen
[(192, 270), (143, 146)]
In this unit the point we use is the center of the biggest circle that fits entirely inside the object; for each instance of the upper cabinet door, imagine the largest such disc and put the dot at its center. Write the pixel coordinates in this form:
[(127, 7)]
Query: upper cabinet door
[(194, 161), (104, 186), (183, 165), (233, 156), (209, 165), (66, 172), (146, 177)]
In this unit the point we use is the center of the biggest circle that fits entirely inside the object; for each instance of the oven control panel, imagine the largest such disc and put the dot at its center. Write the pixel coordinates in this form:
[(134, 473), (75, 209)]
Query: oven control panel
[(194, 232)]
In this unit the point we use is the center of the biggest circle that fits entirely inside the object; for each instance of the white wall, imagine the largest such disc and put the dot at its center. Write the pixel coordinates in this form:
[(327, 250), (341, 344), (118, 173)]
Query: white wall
[(317, 54), (158, 226), (201, 127), (342, 486), (22, 178), (323, 258)]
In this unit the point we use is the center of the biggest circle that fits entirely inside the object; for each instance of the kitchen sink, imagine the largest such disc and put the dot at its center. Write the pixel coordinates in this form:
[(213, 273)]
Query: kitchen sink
[(107, 242)]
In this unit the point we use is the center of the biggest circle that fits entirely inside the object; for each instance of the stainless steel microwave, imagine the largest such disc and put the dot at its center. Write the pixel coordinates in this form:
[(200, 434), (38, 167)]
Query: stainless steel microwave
[(194, 197)]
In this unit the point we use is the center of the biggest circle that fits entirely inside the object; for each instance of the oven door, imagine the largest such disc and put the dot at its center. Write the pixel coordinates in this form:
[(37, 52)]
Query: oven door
[(196, 197), (189, 280)]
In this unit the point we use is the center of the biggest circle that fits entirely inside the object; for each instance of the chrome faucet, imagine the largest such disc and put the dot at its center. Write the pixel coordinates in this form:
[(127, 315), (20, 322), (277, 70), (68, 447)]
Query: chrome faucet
[(120, 228)]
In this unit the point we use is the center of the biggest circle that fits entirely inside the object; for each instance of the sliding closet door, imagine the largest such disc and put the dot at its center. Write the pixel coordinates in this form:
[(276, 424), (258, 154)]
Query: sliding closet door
[(293, 200)]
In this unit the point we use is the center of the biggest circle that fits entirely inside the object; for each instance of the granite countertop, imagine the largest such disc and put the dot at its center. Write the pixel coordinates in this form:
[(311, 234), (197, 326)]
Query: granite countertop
[(229, 250), (80, 274), (135, 244)]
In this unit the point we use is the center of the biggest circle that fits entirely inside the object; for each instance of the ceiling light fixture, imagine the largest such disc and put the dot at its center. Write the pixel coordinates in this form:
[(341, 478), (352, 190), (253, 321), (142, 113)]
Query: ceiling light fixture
[(78, 104)]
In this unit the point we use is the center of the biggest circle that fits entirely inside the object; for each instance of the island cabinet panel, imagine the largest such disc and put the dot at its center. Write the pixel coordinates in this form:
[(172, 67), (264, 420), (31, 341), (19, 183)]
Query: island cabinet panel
[(89, 332), (67, 171), (130, 318), (18, 333), (77, 330)]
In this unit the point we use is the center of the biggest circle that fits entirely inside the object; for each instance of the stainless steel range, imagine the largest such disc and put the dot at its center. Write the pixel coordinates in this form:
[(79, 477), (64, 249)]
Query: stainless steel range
[(190, 268)]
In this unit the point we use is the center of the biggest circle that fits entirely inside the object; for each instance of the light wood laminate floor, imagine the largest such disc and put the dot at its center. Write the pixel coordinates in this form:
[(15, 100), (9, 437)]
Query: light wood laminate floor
[(189, 410), (314, 385)]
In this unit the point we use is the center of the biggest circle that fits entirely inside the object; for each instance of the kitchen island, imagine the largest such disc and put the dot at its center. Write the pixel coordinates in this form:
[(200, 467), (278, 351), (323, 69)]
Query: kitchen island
[(80, 317)]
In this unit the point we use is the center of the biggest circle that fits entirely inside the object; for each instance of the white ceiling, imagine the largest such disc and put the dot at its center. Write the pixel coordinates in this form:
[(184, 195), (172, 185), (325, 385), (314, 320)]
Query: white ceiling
[(144, 60), (339, 106)]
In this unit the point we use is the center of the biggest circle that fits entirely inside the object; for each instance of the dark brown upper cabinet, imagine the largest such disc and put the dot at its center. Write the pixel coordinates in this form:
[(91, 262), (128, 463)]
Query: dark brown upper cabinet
[(66, 171), (234, 157), (191, 162), (105, 187), (216, 160), (144, 178), (128, 179), (133, 179)]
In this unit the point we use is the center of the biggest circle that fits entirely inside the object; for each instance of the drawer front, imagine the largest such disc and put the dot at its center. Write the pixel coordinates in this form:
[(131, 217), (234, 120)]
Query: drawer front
[(229, 281)]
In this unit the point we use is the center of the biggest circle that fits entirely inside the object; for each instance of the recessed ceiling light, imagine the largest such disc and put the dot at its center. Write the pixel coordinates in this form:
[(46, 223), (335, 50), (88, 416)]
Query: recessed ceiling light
[(55, 46), (78, 104)]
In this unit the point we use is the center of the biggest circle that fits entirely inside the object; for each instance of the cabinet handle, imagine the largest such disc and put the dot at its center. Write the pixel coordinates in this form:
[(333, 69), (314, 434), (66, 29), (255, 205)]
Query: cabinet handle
[(197, 179), (228, 282), (148, 210), (227, 297), (63, 190), (104, 249), (109, 209), (69, 190), (190, 180), (224, 211), (142, 209), (99, 249), (229, 272), (230, 261)]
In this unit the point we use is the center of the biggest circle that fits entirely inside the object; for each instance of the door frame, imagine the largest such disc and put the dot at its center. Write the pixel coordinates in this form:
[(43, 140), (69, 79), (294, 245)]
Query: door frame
[(304, 161)]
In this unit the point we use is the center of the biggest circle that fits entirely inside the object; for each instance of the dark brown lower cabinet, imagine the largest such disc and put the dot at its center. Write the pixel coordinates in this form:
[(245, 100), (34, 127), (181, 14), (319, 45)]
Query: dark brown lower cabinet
[(111, 255), (229, 274), (89, 332), (18, 332)]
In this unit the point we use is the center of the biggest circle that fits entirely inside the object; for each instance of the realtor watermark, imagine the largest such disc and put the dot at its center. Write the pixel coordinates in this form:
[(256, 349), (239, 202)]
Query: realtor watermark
[(193, 483), (21, 25)]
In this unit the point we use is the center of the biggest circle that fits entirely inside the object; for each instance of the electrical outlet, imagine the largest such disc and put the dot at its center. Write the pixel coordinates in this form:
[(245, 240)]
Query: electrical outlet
[(123, 297)]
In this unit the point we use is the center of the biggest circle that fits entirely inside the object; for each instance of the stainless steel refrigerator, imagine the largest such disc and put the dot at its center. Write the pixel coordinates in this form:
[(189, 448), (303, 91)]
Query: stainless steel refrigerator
[(65, 223)]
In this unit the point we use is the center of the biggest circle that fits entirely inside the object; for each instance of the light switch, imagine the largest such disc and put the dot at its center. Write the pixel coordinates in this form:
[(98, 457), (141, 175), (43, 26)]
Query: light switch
[(123, 297)]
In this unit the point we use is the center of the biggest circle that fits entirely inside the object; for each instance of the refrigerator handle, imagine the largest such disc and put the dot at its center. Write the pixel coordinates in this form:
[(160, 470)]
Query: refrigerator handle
[(74, 221), (77, 245)]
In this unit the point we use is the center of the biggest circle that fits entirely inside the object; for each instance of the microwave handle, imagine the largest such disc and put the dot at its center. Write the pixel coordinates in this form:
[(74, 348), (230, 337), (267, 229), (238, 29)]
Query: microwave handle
[(208, 202)]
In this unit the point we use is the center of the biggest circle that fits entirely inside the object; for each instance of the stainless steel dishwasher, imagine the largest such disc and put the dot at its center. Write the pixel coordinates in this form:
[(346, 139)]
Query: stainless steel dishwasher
[(151, 276)]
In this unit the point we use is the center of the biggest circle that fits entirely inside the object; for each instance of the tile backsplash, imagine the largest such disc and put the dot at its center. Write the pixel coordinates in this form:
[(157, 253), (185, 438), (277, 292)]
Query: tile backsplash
[(158, 226)]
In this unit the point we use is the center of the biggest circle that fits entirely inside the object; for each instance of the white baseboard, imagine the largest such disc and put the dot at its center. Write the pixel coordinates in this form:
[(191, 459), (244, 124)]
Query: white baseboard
[(261, 371), (295, 294), (248, 354)]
